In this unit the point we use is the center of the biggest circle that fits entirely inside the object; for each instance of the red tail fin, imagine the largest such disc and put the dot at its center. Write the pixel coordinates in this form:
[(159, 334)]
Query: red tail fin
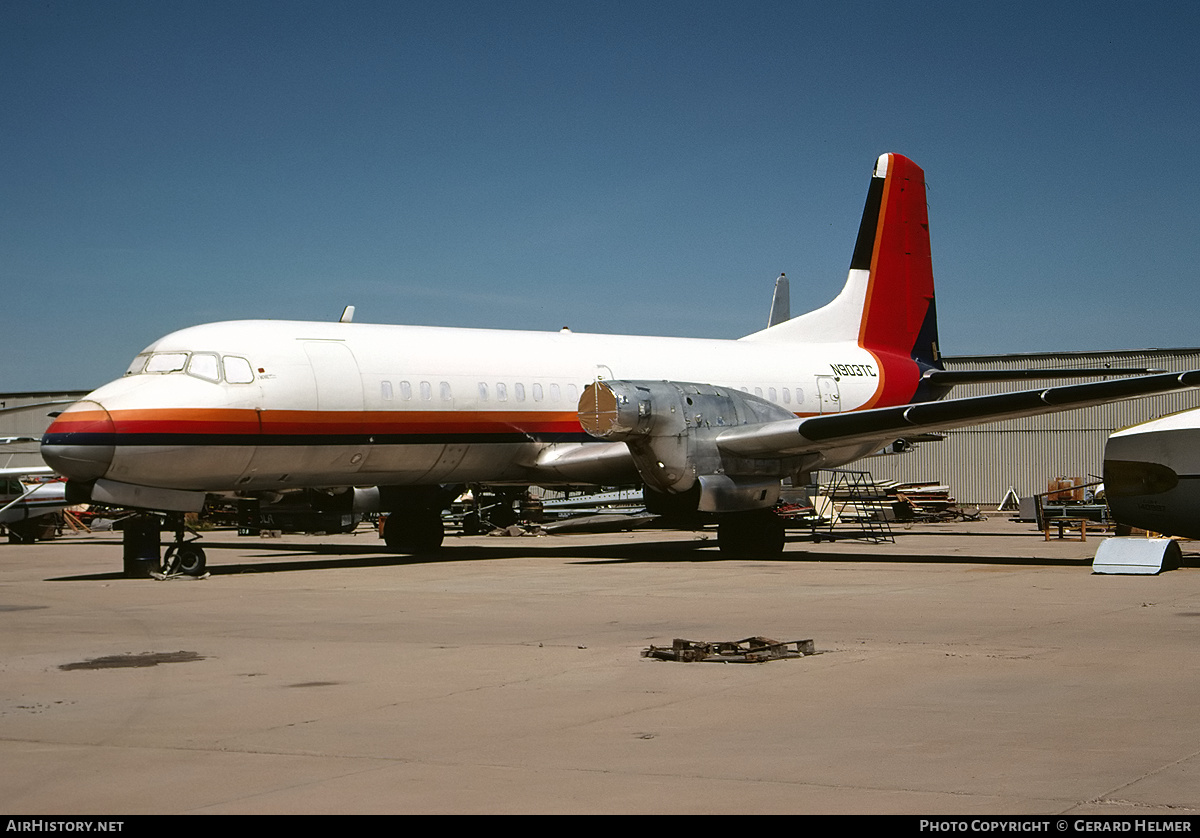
[(899, 316), (887, 305)]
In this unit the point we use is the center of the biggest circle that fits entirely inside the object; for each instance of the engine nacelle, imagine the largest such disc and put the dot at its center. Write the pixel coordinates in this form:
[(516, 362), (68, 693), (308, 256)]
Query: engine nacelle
[(671, 429)]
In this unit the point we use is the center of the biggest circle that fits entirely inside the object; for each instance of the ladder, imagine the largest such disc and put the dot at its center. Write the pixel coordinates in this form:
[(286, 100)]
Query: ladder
[(855, 508)]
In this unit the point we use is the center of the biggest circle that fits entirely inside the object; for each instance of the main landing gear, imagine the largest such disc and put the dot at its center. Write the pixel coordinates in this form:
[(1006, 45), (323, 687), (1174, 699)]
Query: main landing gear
[(749, 534), (417, 531), (141, 544), (414, 522)]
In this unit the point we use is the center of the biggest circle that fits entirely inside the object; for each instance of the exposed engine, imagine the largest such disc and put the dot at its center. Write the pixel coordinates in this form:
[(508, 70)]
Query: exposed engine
[(671, 430)]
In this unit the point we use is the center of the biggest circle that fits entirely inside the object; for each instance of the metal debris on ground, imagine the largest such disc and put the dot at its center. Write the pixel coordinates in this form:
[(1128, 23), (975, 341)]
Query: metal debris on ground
[(750, 650)]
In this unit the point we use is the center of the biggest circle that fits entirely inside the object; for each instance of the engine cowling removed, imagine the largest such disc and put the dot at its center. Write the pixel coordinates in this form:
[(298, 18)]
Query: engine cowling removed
[(671, 429)]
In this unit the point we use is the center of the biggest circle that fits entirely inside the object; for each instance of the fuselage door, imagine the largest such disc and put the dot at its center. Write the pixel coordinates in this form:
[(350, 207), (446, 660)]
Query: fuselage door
[(339, 384), (339, 413), (827, 389)]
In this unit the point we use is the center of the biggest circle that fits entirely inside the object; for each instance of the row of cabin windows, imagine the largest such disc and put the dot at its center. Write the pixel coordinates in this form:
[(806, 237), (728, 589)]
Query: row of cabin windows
[(773, 395), (204, 365), (424, 388), (501, 392), (519, 392)]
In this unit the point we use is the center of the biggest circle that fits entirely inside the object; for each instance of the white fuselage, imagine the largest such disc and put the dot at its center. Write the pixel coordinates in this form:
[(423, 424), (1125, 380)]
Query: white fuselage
[(338, 404)]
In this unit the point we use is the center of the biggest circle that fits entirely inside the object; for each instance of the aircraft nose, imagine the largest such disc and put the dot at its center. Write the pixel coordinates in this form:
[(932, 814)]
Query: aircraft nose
[(79, 443)]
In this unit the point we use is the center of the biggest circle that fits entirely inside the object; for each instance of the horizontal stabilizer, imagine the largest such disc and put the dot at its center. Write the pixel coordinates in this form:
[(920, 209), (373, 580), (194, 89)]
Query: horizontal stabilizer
[(950, 378), (787, 437)]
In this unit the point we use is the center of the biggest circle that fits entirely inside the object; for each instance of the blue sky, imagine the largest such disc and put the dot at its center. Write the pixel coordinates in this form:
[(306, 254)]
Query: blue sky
[(638, 168)]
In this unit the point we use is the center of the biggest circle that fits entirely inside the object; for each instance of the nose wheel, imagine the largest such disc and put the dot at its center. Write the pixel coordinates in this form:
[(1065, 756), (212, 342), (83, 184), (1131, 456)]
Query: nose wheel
[(187, 559), (183, 556), (141, 542)]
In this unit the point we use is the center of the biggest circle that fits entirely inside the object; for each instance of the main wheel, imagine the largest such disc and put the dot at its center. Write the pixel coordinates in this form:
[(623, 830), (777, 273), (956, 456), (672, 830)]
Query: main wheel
[(418, 532), (749, 534), (471, 524)]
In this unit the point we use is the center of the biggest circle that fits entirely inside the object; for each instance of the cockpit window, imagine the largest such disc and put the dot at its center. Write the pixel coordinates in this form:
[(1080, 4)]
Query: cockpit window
[(204, 365), (138, 365), (166, 362), (207, 366), (238, 370)]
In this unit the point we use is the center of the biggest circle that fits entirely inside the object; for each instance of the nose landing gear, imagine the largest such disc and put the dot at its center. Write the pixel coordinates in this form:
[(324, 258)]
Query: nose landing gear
[(183, 557), (141, 544)]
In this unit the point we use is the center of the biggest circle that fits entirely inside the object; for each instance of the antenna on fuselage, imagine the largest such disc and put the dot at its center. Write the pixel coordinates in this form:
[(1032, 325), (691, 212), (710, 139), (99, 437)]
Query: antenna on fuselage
[(781, 304), (347, 315)]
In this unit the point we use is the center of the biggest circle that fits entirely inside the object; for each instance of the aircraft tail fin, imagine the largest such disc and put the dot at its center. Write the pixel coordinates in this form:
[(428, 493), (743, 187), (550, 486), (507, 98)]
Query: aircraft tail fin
[(887, 305), (781, 306)]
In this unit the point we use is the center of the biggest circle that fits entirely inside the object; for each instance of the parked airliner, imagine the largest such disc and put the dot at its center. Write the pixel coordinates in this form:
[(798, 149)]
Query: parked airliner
[(27, 495), (258, 408), (1152, 475)]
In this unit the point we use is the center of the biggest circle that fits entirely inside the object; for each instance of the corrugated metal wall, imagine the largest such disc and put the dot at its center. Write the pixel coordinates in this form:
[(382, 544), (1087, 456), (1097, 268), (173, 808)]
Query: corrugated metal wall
[(981, 463), (28, 414)]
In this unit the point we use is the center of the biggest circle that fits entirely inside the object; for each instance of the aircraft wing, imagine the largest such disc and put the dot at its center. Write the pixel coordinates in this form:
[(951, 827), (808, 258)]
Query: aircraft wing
[(36, 405), (27, 471), (733, 448), (790, 437)]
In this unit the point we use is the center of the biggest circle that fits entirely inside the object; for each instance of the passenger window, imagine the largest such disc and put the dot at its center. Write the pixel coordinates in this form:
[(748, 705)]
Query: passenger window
[(519, 391), (444, 391), (501, 391), (555, 393), (483, 392), (237, 370), (573, 393), (385, 390), (537, 392), (787, 396), (405, 390), (771, 394), (166, 362), (204, 365), (426, 391)]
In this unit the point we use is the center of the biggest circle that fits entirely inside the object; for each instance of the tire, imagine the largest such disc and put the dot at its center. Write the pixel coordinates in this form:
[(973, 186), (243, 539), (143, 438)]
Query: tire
[(417, 533), (187, 559), (471, 524), (751, 534)]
